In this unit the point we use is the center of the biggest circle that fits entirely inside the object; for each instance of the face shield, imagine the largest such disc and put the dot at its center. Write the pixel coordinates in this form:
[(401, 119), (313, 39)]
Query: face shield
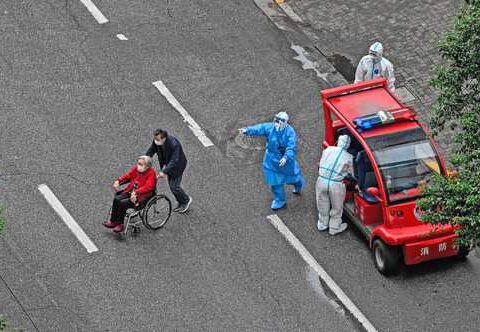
[(280, 121), (376, 51), (376, 57)]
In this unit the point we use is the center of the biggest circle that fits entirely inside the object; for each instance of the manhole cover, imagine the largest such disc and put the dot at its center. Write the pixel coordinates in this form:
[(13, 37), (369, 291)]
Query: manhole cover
[(249, 143)]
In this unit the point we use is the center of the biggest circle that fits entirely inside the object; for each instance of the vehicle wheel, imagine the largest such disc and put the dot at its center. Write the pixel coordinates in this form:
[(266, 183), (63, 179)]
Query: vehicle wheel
[(387, 258), (157, 212), (463, 252)]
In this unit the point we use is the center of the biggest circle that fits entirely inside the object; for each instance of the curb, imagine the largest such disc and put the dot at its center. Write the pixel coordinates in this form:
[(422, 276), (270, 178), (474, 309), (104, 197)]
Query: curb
[(402, 92), (287, 21), (285, 7)]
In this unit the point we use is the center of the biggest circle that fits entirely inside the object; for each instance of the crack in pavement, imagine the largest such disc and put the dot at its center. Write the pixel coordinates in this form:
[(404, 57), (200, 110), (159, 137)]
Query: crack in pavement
[(24, 310)]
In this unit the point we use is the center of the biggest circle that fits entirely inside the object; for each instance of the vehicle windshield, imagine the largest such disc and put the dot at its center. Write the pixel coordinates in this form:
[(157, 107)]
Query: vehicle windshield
[(406, 161)]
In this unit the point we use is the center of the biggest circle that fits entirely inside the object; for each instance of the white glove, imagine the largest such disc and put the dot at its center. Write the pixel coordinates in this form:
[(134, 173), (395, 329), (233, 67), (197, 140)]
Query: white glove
[(242, 131), (282, 162)]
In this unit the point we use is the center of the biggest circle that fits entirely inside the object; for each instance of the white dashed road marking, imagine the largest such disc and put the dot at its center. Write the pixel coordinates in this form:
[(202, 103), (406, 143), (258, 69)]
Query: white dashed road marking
[(67, 218), (95, 11), (194, 127), (292, 239)]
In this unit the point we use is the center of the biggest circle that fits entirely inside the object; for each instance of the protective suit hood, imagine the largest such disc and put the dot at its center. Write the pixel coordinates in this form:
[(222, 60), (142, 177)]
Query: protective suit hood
[(280, 121), (344, 142)]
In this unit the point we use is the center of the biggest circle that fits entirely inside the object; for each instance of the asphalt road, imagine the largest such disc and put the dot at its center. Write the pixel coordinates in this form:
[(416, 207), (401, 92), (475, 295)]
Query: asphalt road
[(78, 106)]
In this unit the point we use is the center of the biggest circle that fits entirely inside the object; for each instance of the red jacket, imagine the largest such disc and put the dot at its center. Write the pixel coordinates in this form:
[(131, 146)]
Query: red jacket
[(145, 183)]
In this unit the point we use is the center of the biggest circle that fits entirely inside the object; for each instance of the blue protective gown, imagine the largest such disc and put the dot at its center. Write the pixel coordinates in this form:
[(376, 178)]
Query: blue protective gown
[(280, 144)]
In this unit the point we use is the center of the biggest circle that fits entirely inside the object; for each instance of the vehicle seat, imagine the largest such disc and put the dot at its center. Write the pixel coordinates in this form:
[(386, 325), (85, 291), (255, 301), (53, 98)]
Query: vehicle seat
[(366, 176)]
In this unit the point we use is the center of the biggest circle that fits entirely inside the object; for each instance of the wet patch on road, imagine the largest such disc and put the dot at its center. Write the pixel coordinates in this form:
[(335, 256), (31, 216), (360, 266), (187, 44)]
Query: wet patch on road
[(343, 65)]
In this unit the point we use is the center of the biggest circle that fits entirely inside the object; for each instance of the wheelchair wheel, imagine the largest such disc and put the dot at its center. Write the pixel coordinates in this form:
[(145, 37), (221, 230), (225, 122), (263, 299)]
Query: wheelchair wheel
[(157, 212)]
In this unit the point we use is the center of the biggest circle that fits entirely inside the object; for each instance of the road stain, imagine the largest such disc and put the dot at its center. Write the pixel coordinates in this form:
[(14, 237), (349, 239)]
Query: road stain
[(343, 65), (306, 63)]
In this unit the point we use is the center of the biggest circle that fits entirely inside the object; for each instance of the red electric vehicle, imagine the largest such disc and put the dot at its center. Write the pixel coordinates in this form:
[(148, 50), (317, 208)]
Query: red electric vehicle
[(394, 158)]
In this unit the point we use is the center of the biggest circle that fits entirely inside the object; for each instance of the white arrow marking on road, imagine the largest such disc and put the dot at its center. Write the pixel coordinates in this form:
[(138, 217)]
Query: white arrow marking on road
[(292, 239), (194, 127), (95, 11), (67, 218)]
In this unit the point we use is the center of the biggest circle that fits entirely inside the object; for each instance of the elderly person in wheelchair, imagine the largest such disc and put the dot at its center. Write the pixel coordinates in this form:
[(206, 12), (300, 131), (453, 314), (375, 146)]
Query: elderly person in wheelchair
[(142, 181)]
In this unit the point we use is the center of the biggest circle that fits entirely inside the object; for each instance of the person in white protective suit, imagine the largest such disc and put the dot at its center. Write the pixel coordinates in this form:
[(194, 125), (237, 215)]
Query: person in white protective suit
[(374, 65), (336, 163)]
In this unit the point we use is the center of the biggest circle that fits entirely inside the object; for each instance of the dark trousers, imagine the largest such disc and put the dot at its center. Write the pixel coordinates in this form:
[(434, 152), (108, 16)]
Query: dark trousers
[(121, 202), (177, 191)]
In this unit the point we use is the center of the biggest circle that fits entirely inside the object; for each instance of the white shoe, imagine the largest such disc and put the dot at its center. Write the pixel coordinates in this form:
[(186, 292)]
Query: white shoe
[(340, 229), (321, 227), (184, 208)]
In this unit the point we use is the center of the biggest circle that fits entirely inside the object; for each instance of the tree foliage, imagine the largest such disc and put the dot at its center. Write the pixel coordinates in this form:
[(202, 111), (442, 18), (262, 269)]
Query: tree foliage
[(456, 199)]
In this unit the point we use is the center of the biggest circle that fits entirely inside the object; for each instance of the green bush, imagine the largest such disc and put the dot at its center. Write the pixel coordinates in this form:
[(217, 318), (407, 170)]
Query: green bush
[(3, 324), (456, 199)]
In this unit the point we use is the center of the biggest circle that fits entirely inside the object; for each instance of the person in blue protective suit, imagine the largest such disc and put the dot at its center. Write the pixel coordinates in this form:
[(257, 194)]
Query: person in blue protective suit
[(336, 163), (280, 166)]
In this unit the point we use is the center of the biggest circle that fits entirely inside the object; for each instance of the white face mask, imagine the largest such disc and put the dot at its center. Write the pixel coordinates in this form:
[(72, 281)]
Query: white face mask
[(277, 126), (375, 58), (158, 142), (141, 169)]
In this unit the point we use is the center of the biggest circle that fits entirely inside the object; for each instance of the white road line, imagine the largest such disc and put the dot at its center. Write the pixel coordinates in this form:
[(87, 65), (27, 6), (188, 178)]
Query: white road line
[(292, 239), (194, 127), (67, 218), (95, 11)]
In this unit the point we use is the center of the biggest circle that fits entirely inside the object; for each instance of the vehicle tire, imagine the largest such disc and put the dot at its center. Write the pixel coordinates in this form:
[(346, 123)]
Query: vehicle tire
[(387, 258), (463, 252), (157, 211)]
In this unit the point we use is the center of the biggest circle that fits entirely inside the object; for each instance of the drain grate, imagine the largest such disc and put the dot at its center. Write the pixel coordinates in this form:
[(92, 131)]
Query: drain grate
[(404, 94)]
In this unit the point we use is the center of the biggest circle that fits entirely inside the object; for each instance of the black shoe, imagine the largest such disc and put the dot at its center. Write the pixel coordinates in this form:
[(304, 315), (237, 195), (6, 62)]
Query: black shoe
[(184, 207)]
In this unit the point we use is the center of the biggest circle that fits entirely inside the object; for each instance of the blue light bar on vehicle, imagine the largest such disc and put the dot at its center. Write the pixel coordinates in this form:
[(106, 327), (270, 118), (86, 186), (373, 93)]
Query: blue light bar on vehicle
[(370, 121)]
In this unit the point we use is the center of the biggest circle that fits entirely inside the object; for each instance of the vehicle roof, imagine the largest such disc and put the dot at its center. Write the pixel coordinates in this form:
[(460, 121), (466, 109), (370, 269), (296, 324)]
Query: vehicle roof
[(364, 102), (390, 128), (367, 101)]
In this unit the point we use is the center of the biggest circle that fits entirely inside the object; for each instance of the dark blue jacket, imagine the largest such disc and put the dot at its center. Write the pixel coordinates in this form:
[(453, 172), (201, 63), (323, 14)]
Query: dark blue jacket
[(170, 155)]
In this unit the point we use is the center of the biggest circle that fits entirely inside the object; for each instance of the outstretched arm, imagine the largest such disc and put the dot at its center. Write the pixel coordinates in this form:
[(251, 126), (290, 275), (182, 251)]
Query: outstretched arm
[(257, 130)]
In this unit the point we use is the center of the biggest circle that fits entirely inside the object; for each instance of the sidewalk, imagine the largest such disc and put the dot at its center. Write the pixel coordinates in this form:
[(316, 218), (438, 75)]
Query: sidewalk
[(342, 30)]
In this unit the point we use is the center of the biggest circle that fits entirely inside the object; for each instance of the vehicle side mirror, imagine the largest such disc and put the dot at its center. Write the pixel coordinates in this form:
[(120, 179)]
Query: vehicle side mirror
[(373, 191)]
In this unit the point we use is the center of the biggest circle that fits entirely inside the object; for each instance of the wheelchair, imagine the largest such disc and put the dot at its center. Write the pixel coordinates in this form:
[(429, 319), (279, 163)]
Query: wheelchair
[(153, 214)]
